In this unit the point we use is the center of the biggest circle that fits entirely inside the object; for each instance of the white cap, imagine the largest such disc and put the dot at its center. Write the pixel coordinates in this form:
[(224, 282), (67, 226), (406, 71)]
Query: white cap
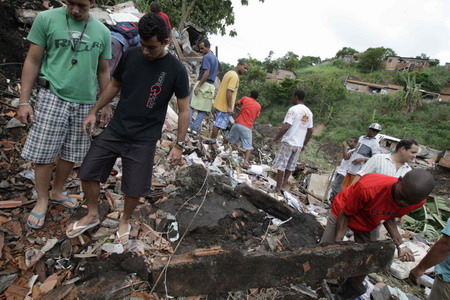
[(375, 126)]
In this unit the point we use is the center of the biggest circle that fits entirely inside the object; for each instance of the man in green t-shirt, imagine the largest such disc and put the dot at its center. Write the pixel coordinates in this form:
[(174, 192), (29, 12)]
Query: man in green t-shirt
[(69, 50)]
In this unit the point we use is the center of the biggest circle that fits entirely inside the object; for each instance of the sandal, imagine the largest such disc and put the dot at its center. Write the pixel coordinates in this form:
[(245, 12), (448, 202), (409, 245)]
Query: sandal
[(39, 218), (82, 228), (64, 202), (119, 236)]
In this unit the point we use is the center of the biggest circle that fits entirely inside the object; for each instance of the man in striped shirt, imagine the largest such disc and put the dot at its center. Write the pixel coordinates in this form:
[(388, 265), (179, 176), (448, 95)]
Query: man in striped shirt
[(395, 164)]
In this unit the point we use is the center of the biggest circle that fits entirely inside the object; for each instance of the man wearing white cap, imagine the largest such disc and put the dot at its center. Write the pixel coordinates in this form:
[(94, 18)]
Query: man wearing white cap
[(367, 147)]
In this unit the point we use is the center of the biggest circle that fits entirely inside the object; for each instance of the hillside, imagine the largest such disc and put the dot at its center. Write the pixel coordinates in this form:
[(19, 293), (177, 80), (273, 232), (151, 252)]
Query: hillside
[(348, 114)]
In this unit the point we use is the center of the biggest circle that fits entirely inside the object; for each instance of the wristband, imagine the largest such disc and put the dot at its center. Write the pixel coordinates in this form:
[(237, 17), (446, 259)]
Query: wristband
[(180, 145), (24, 104)]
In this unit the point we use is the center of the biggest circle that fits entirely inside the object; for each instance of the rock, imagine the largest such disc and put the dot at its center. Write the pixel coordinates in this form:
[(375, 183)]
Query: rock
[(113, 248), (110, 223), (102, 232), (7, 279), (426, 281), (14, 123), (66, 249), (317, 186), (388, 292), (15, 102), (4, 184)]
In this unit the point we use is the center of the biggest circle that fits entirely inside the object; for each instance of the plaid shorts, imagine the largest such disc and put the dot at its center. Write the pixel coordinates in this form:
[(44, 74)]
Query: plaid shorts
[(222, 119), (57, 130), (287, 157)]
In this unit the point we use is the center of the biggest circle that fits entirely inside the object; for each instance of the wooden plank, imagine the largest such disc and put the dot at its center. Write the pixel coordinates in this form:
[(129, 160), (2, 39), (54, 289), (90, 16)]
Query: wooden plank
[(265, 202), (226, 270), (177, 48)]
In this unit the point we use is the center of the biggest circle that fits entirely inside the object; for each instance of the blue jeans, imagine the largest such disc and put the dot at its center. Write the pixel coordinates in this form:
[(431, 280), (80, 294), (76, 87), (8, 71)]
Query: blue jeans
[(197, 123)]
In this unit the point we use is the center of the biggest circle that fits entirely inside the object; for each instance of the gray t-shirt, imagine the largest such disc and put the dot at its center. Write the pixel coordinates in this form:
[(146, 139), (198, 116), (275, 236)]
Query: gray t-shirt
[(366, 148)]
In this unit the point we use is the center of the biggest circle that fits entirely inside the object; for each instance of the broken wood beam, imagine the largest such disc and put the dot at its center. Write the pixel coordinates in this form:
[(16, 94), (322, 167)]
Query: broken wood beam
[(207, 271), (265, 202)]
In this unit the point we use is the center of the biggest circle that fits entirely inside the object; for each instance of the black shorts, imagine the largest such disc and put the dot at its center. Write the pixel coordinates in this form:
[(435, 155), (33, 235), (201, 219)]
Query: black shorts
[(137, 163)]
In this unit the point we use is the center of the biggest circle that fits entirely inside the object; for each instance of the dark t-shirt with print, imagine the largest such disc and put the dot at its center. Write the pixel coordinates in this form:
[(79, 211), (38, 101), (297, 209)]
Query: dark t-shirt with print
[(147, 87)]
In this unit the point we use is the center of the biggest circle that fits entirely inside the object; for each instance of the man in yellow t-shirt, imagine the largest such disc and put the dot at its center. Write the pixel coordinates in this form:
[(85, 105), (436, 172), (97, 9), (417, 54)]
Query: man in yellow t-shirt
[(225, 99)]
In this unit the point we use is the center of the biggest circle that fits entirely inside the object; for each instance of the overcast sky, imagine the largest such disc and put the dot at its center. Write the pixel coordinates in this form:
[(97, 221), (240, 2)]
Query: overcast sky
[(322, 27)]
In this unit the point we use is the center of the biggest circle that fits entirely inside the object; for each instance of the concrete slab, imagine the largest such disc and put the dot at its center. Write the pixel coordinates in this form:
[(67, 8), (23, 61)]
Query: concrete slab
[(318, 186)]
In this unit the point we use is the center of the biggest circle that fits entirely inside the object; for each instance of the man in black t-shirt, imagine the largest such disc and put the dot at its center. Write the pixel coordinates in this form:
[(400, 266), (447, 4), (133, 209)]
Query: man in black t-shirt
[(146, 78)]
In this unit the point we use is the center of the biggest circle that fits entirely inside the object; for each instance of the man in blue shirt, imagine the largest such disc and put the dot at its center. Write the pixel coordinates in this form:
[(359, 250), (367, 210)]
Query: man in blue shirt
[(438, 255), (204, 90)]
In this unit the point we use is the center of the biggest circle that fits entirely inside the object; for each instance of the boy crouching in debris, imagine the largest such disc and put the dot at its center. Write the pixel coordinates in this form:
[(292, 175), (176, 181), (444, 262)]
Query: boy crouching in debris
[(146, 78)]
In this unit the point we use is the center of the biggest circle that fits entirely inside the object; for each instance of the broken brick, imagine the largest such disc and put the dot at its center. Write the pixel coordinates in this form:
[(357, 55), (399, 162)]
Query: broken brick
[(10, 203)]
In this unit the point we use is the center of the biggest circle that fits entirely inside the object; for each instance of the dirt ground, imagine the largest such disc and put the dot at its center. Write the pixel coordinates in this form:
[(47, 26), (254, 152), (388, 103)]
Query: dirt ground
[(13, 46)]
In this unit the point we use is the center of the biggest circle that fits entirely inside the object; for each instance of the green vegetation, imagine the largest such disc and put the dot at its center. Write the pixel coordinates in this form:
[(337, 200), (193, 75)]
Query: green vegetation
[(348, 114), (370, 60), (345, 51), (429, 219), (213, 16)]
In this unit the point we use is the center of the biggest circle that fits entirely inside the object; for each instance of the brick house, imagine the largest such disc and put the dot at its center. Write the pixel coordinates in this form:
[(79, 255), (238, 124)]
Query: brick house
[(280, 75), (371, 88), (351, 58), (406, 64)]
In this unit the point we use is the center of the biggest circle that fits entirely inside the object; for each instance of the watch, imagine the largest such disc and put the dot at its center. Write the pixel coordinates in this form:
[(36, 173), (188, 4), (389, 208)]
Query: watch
[(180, 144)]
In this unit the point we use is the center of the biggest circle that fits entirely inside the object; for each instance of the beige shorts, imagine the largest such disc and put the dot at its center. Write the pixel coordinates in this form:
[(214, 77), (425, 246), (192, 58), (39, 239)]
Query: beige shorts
[(440, 289)]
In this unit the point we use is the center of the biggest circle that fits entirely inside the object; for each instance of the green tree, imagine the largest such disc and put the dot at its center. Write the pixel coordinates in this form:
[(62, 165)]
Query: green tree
[(308, 61), (223, 68), (423, 56), (213, 16), (432, 61), (345, 51), (290, 61), (255, 71), (270, 64), (430, 79), (370, 60)]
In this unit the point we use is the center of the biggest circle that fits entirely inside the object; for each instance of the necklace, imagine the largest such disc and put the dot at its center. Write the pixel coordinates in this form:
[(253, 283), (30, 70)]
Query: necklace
[(74, 45)]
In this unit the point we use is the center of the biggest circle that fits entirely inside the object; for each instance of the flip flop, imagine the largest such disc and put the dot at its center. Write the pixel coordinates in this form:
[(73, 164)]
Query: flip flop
[(38, 217), (119, 236), (64, 201), (82, 228)]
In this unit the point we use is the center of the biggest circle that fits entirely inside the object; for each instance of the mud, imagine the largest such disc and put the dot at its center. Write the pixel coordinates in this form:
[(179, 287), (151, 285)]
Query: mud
[(237, 224), (13, 47), (106, 277)]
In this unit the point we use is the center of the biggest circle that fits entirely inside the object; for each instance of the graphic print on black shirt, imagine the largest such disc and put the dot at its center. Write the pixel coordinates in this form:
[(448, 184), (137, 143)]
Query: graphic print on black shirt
[(146, 89), (155, 90)]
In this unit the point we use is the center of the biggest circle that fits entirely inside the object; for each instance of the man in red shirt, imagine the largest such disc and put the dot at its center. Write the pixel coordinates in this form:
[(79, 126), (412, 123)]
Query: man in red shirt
[(155, 8), (375, 199), (242, 128)]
